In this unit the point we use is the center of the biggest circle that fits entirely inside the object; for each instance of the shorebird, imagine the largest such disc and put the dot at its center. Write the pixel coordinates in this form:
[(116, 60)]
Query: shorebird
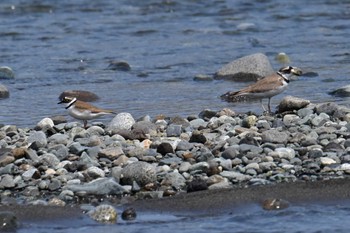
[(267, 87), (82, 110)]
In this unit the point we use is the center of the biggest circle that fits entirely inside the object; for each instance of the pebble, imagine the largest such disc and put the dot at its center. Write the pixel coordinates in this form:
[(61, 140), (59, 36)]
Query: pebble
[(170, 155)]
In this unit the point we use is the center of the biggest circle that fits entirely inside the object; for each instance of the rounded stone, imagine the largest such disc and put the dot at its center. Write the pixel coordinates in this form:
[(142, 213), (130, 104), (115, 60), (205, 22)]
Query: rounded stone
[(122, 121), (104, 214), (141, 172), (248, 68), (4, 92), (80, 95), (290, 103)]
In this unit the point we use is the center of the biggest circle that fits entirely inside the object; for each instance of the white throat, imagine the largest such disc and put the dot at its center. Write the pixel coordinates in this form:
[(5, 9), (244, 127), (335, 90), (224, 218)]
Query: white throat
[(71, 103)]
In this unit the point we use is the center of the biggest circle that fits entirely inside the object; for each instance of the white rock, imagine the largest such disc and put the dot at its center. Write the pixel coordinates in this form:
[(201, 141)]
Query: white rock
[(327, 161)]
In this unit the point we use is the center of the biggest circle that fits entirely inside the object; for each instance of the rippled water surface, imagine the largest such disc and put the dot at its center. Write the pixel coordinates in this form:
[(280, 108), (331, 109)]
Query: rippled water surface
[(327, 217), (54, 46)]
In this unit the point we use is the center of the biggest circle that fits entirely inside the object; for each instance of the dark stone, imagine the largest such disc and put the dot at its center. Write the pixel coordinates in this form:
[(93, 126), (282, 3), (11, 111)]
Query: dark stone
[(207, 114), (230, 153), (165, 148), (198, 137), (4, 92), (197, 184), (129, 214), (119, 65), (333, 147), (80, 95)]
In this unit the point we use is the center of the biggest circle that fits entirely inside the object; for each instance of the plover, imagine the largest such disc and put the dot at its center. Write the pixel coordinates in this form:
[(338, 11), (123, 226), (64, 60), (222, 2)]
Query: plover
[(266, 87), (82, 110)]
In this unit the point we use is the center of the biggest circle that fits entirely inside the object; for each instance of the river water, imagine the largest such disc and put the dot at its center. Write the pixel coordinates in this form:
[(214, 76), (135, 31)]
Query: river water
[(54, 46)]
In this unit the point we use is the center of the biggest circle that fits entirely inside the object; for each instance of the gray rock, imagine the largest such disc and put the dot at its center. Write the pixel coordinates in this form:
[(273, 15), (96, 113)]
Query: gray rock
[(76, 148), (290, 103), (59, 138), (201, 166), (235, 176), (6, 73), (174, 130), (111, 153), (275, 136), (122, 121), (30, 174), (7, 181), (248, 68), (55, 184), (175, 180), (45, 123), (184, 146), (100, 186), (38, 138), (145, 128), (341, 92), (141, 172), (196, 123), (4, 92), (95, 172), (49, 159)]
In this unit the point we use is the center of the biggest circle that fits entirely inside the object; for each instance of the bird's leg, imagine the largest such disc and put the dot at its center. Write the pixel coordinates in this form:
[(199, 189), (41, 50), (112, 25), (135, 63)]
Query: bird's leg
[(85, 124), (262, 105), (269, 105)]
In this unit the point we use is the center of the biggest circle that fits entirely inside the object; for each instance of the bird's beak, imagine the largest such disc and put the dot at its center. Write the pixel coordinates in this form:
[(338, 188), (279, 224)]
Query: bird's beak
[(60, 102), (296, 71)]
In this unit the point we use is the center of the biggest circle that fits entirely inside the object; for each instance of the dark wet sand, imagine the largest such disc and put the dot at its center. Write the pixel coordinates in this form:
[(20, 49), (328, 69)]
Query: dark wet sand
[(208, 202)]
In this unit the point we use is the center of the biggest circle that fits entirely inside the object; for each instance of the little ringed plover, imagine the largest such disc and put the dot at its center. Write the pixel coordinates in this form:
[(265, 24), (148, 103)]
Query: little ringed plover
[(266, 87), (82, 110)]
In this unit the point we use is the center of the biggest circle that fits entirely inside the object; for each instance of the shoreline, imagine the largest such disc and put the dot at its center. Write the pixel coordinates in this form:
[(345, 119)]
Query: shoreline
[(207, 202)]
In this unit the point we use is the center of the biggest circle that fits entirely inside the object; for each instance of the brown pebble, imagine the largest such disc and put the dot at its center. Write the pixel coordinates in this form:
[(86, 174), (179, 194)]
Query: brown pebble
[(129, 214), (275, 204)]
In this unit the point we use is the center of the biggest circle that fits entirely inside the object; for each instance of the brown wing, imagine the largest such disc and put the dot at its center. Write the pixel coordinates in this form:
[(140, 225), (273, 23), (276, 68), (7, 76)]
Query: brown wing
[(83, 105), (263, 85)]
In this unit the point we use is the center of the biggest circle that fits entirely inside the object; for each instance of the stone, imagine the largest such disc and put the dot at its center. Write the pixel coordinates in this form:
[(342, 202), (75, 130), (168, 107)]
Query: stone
[(7, 181), (341, 92), (174, 180), (95, 172), (174, 130), (230, 153), (290, 103), (141, 172), (80, 95), (45, 123), (6, 72), (248, 68), (5, 160), (325, 161), (119, 65), (275, 136), (4, 92), (197, 184), (38, 138), (165, 148), (198, 137), (100, 186), (122, 121), (104, 214), (111, 153)]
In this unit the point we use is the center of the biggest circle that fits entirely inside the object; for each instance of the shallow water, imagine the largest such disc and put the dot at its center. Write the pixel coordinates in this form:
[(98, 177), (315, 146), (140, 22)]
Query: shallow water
[(64, 45), (313, 217)]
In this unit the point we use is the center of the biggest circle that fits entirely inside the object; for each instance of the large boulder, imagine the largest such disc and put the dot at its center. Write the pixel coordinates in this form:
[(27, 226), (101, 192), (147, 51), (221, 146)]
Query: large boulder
[(248, 68), (80, 95)]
